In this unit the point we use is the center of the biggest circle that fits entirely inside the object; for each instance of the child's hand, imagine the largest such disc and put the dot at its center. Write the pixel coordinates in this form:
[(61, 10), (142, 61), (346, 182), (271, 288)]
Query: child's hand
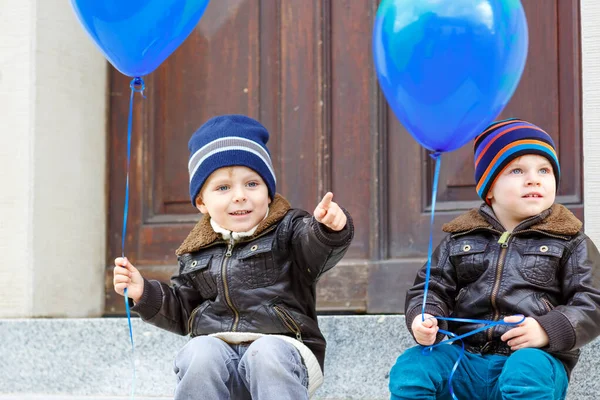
[(425, 331), (330, 214), (125, 275), (529, 333)]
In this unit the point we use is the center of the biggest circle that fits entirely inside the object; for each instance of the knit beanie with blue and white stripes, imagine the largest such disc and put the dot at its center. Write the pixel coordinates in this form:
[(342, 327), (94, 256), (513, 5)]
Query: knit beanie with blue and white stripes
[(227, 141)]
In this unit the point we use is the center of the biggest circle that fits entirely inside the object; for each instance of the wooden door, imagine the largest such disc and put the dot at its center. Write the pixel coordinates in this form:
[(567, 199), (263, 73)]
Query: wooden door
[(304, 69)]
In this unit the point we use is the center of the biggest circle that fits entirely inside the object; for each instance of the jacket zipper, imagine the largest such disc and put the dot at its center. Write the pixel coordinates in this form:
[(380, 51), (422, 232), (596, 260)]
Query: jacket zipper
[(288, 321), (547, 304), (236, 314), (460, 294), (496, 288), (192, 315)]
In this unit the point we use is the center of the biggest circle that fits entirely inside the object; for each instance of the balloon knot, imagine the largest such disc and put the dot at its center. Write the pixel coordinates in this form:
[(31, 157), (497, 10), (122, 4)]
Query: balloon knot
[(137, 85), (435, 155)]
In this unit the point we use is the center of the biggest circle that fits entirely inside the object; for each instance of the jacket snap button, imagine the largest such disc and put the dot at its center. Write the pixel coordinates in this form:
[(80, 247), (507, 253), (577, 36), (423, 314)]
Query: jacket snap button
[(544, 249), (466, 247), (194, 263), (253, 248)]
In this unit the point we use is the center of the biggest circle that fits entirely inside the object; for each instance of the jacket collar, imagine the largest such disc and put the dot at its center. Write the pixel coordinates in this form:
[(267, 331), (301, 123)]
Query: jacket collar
[(203, 234), (555, 220)]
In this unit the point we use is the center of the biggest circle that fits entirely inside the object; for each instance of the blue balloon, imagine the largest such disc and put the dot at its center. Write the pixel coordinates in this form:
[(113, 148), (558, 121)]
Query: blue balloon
[(136, 36), (448, 67)]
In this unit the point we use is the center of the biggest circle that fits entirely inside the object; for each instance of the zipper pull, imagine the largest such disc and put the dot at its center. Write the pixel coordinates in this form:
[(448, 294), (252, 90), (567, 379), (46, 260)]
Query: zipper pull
[(504, 239), (230, 247), (299, 337)]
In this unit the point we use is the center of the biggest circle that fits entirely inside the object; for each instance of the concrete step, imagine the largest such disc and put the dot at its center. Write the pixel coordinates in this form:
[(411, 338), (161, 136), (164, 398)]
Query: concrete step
[(91, 359), (23, 396)]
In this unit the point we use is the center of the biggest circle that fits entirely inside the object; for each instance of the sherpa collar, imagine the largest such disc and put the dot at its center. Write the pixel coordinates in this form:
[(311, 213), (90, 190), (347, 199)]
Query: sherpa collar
[(203, 234), (556, 220)]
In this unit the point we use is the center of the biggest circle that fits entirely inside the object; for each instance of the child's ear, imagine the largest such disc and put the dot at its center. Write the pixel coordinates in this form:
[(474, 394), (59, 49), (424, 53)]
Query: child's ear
[(200, 205)]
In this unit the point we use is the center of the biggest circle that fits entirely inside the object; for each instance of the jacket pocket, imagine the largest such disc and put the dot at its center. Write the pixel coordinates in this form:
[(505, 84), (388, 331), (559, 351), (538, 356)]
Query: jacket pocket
[(468, 257), (287, 320), (258, 264), (540, 263), (197, 271), (196, 313)]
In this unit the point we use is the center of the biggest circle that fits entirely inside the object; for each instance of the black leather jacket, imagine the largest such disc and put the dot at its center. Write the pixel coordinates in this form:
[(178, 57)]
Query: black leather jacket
[(265, 284), (547, 269)]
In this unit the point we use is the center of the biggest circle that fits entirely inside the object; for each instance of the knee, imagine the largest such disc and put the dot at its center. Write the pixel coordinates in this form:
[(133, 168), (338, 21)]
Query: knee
[(415, 367), (530, 359), (411, 359), (201, 353), (533, 373), (527, 364), (271, 352)]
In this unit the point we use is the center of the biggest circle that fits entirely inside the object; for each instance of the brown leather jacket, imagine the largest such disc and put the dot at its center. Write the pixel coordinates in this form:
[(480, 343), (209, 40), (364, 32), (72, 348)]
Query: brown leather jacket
[(547, 269), (265, 284)]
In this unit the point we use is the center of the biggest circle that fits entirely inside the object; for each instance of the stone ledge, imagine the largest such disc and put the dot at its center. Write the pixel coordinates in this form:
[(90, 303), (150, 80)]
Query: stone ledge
[(76, 359), (22, 396)]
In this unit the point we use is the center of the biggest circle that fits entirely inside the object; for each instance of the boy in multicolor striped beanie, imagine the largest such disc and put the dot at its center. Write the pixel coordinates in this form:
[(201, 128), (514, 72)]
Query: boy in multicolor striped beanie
[(502, 143), (245, 291), (520, 258)]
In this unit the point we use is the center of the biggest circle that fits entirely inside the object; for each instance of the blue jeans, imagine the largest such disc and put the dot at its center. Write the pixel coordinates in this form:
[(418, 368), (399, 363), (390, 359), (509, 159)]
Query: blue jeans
[(207, 368), (526, 374)]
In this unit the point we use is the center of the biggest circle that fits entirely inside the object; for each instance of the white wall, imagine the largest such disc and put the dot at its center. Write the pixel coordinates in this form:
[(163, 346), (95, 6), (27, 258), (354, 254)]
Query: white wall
[(590, 54), (53, 89)]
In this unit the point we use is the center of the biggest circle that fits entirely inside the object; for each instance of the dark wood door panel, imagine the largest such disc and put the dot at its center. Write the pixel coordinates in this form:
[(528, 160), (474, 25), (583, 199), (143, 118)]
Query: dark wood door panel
[(305, 70)]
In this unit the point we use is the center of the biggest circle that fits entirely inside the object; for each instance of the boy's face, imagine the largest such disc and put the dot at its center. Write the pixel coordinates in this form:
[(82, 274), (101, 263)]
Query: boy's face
[(237, 198), (525, 188)]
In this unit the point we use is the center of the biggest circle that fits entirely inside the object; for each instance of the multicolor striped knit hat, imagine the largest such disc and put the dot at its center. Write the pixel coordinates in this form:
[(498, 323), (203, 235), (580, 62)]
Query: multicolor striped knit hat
[(227, 141), (502, 142)]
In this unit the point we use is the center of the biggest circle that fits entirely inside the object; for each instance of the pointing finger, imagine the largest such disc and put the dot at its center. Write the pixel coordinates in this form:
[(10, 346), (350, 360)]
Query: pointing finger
[(326, 201)]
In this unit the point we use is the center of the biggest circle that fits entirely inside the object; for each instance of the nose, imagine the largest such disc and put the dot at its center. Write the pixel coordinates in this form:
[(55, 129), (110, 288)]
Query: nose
[(239, 195), (533, 179)]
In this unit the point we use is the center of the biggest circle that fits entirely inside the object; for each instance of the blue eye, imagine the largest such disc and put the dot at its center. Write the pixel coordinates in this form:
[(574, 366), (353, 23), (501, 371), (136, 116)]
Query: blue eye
[(222, 188), (252, 184), (545, 171), (516, 171)]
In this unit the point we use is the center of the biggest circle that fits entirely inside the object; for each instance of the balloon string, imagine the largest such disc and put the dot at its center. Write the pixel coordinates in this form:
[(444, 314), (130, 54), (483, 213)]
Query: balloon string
[(137, 85), (437, 156)]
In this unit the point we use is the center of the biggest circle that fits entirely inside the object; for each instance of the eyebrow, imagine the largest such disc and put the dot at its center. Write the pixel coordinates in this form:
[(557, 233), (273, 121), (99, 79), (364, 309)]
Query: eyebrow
[(249, 176)]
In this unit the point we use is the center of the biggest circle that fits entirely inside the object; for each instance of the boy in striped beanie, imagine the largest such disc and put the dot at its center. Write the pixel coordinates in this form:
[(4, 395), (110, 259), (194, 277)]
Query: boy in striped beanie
[(245, 291), (520, 258)]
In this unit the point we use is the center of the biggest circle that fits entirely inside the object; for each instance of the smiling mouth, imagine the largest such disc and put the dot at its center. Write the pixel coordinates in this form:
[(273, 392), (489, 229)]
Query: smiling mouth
[(243, 212)]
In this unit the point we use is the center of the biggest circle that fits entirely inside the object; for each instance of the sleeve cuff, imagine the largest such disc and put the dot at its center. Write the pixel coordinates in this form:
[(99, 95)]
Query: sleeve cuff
[(335, 238), (151, 300), (561, 335)]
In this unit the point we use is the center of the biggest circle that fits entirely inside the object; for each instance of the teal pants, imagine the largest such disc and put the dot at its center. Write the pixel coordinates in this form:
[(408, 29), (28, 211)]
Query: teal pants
[(526, 374)]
